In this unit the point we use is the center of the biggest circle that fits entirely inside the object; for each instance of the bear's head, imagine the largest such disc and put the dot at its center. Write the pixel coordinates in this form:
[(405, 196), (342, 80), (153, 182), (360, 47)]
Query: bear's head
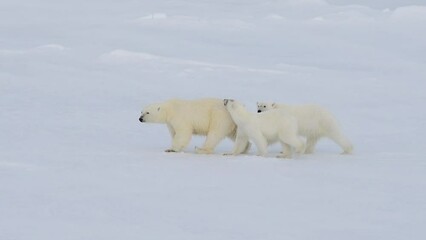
[(232, 105), (265, 106), (154, 113)]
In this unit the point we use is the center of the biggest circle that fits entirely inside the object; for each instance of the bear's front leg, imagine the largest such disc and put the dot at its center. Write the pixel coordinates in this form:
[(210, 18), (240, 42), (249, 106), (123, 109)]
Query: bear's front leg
[(261, 143), (172, 134), (171, 130), (180, 140)]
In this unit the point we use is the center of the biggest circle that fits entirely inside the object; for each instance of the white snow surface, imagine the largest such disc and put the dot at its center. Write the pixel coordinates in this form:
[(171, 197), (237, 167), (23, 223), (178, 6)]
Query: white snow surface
[(75, 163)]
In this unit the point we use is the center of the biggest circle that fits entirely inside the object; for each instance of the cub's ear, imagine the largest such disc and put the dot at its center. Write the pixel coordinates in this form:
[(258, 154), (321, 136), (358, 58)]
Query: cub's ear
[(273, 104), (158, 109)]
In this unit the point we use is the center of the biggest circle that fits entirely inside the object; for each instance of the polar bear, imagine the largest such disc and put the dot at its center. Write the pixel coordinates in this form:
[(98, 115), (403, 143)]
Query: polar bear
[(184, 118), (264, 129), (314, 123)]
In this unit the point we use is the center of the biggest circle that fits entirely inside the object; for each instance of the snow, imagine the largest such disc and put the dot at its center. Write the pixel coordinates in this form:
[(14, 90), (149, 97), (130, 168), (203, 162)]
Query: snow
[(416, 14), (75, 163)]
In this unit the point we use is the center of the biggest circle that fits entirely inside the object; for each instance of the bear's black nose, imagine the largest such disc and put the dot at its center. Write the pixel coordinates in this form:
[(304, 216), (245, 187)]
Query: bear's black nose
[(141, 119), (259, 111)]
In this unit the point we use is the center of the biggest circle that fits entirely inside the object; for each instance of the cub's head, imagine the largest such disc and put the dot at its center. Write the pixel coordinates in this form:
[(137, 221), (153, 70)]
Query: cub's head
[(154, 113), (232, 105), (264, 106)]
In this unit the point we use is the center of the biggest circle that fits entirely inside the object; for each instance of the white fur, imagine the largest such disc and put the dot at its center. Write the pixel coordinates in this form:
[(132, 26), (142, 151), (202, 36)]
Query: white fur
[(184, 118), (314, 123), (264, 129)]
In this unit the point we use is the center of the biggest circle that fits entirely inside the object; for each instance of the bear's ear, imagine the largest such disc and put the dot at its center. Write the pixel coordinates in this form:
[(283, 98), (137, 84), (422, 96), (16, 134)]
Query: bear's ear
[(273, 105), (158, 109)]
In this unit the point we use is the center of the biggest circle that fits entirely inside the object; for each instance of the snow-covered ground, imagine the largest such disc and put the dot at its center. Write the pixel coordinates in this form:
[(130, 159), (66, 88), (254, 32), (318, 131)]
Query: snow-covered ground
[(76, 164)]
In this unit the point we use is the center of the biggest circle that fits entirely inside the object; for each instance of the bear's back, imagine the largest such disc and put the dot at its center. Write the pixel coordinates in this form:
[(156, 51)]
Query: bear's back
[(199, 113), (194, 108)]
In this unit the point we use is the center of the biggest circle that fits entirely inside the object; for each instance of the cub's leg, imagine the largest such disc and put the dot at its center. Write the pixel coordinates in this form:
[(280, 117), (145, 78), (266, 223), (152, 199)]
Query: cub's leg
[(341, 140), (233, 137), (260, 142), (310, 144), (290, 137), (240, 145), (287, 151)]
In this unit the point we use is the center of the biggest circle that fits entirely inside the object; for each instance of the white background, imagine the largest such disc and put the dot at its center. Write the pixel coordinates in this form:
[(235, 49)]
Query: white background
[(75, 163)]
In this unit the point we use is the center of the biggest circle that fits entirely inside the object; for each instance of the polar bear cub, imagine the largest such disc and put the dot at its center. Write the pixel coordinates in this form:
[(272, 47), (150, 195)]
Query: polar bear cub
[(314, 122), (184, 118), (264, 129)]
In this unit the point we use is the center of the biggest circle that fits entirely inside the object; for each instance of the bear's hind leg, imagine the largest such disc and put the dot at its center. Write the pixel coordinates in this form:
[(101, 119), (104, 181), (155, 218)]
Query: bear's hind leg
[(342, 141), (212, 140)]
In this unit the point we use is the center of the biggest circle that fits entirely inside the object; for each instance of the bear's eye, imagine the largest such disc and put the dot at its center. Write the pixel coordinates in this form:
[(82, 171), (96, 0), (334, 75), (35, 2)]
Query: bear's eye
[(147, 112), (264, 106)]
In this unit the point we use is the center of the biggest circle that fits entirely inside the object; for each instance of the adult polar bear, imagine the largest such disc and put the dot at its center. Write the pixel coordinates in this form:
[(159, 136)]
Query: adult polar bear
[(184, 118), (264, 129), (314, 122)]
